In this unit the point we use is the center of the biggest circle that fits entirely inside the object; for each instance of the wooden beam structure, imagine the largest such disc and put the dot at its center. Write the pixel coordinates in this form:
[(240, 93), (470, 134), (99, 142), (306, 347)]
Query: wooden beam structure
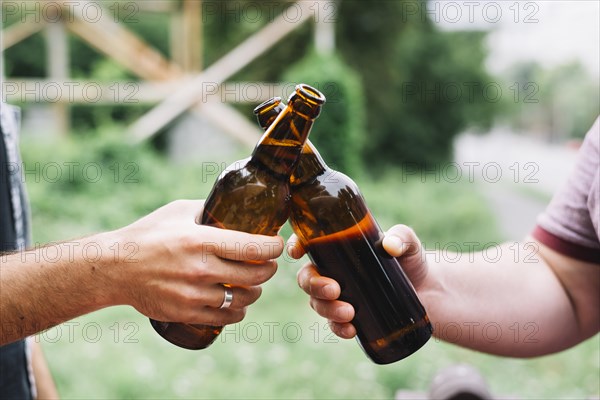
[(18, 32), (57, 43), (178, 85), (231, 122), (325, 27), (76, 91), (122, 45), (152, 122), (157, 6), (192, 36)]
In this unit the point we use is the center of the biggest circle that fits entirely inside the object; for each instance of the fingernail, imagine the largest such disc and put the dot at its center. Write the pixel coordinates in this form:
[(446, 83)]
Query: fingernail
[(395, 242)]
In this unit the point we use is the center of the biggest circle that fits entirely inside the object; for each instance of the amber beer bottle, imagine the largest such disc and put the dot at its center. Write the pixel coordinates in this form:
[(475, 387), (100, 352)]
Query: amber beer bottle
[(253, 195), (344, 241)]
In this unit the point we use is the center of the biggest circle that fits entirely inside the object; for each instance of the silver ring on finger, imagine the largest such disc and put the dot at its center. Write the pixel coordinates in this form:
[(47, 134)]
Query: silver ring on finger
[(227, 297)]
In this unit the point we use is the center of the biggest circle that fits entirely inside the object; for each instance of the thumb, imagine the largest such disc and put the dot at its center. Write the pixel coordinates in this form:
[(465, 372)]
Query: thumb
[(393, 245), (294, 248), (401, 240)]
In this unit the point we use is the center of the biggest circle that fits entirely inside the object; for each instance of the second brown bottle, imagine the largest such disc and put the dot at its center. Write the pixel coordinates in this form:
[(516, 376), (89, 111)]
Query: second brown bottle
[(344, 241), (253, 195)]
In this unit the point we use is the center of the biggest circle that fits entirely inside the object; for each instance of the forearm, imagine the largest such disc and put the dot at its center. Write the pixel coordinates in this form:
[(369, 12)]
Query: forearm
[(164, 265), (46, 286), (503, 303)]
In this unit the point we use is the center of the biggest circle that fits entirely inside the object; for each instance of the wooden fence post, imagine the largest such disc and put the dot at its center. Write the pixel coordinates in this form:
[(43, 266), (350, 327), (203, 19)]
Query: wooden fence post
[(58, 70)]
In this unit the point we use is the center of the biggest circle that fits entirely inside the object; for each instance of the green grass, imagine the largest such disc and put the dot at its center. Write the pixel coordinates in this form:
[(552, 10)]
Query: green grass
[(282, 349)]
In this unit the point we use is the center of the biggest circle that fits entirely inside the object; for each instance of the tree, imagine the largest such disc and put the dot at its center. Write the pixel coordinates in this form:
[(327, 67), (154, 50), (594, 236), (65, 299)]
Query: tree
[(423, 86)]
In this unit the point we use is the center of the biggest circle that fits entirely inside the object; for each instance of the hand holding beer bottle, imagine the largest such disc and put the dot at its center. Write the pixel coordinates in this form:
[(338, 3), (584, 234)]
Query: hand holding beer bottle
[(344, 241), (253, 196)]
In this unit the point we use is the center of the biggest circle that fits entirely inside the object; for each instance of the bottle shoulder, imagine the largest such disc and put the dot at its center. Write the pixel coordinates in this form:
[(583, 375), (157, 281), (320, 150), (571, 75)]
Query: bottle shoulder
[(328, 204), (328, 182), (238, 165), (248, 177)]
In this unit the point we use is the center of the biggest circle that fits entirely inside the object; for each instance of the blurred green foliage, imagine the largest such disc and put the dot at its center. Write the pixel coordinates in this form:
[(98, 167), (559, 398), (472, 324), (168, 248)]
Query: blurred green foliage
[(398, 56), (282, 349), (411, 72), (339, 133)]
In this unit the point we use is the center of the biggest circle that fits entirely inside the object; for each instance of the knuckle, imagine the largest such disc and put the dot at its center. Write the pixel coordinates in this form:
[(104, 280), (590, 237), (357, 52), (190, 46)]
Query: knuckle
[(271, 268), (252, 251), (193, 299), (334, 327), (410, 234), (188, 242), (254, 294), (199, 272), (278, 247), (312, 303), (400, 229), (263, 273), (317, 305), (236, 315), (187, 316), (303, 278), (206, 245), (300, 277)]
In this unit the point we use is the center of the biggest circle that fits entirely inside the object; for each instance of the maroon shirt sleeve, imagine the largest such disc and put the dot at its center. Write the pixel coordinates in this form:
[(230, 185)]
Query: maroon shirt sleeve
[(570, 224)]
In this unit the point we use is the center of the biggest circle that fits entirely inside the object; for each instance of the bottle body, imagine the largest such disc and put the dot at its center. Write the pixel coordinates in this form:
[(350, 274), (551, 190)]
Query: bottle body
[(344, 241), (253, 195)]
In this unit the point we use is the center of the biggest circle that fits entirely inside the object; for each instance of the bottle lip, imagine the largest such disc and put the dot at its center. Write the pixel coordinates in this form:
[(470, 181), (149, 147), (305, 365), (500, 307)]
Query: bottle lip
[(310, 93), (267, 105)]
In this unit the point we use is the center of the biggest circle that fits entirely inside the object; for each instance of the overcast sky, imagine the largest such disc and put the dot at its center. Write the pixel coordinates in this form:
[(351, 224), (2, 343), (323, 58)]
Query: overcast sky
[(551, 32)]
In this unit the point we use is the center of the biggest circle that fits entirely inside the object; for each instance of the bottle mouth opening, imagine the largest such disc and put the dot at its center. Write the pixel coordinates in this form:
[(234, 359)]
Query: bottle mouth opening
[(267, 105), (310, 93)]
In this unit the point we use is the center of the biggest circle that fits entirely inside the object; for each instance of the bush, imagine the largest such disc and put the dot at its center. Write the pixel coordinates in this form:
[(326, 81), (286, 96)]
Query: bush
[(97, 182), (339, 131)]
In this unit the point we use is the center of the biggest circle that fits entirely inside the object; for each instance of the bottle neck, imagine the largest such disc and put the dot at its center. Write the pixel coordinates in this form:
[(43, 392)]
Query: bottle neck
[(287, 129), (310, 164), (281, 145)]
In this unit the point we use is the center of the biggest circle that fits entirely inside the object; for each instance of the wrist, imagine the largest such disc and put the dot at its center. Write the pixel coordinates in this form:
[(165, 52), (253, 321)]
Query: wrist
[(102, 260), (432, 289)]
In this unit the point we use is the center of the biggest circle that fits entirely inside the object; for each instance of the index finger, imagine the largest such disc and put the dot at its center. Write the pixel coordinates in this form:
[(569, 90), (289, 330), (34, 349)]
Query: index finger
[(316, 285), (239, 274), (240, 246)]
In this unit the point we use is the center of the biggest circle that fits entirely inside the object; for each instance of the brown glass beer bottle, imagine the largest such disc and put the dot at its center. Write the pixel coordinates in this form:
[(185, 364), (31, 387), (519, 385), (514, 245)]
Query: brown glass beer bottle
[(344, 241), (253, 195)]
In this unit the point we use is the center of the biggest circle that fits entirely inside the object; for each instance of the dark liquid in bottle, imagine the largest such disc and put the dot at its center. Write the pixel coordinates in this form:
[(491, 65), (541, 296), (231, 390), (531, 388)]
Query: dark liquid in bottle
[(188, 336), (373, 282), (344, 242)]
